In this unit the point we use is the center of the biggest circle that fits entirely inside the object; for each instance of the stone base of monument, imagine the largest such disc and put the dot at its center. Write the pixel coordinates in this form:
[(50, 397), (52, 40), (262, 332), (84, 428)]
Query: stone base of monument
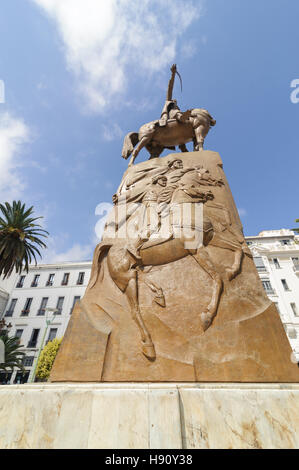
[(149, 416)]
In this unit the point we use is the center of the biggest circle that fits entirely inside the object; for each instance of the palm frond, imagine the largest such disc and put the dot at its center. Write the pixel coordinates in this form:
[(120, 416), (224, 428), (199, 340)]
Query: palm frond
[(19, 237)]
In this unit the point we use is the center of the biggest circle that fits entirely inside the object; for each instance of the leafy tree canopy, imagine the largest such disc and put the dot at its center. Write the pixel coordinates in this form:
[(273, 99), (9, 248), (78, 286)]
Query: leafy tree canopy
[(47, 358)]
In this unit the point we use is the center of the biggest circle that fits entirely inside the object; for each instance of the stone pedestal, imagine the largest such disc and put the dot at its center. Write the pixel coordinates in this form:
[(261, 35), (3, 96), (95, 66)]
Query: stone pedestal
[(174, 290), (149, 416)]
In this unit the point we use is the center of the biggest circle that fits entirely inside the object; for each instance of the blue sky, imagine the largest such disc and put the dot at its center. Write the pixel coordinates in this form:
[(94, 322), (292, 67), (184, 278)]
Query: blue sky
[(80, 74)]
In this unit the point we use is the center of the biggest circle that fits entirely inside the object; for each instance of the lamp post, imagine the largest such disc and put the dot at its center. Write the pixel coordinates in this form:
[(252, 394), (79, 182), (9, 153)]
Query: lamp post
[(49, 321)]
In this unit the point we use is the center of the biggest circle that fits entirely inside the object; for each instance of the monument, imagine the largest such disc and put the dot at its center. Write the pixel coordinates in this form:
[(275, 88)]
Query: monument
[(174, 295), (175, 343)]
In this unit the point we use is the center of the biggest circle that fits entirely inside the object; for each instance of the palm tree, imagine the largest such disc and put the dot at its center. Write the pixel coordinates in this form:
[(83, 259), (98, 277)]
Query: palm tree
[(13, 355), (19, 238)]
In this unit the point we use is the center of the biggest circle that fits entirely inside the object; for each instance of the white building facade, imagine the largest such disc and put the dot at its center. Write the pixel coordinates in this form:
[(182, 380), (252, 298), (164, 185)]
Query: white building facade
[(276, 256), (32, 301)]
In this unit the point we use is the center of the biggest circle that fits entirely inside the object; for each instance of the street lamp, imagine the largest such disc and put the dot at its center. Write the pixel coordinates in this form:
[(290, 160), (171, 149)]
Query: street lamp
[(49, 321)]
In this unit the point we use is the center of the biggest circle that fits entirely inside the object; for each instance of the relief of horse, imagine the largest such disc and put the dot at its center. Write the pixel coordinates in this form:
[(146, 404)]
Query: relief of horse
[(124, 271)]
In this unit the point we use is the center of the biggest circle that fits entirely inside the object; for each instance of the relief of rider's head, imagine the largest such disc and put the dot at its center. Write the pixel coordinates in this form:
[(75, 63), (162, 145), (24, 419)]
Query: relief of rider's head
[(161, 180), (176, 164)]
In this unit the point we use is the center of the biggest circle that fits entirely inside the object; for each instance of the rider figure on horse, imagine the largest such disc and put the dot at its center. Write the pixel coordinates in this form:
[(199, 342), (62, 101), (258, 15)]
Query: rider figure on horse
[(171, 109)]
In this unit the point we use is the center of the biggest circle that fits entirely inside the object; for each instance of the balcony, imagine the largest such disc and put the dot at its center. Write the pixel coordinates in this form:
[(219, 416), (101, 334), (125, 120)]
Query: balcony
[(270, 291), (262, 269), (25, 312)]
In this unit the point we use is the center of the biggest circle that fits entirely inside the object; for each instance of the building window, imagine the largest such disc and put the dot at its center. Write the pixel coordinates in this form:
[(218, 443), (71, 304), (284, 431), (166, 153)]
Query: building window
[(50, 280), (267, 286), (42, 308), (9, 312), (59, 305), (52, 334), (76, 298), (285, 284), (296, 264), (28, 361), (35, 280), (18, 333), (295, 310), (21, 377), (80, 278), (285, 242), (249, 243), (65, 279), (259, 263), (27, 306), (276, 263), (33, 340), (21, 281)]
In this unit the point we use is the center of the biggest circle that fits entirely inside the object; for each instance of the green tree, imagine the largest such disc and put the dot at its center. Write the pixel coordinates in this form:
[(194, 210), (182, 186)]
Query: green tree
[(46, 359), (19, 237), (13, 355), (296, 229)]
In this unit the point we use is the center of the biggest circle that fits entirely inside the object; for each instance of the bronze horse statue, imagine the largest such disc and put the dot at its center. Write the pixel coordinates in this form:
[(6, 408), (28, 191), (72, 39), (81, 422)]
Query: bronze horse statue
[(194, 126), (173, 128)]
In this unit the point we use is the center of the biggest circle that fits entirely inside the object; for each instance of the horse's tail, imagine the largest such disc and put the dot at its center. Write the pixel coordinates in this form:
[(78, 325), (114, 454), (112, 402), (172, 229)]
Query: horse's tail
[(96, 269), (130, 141)]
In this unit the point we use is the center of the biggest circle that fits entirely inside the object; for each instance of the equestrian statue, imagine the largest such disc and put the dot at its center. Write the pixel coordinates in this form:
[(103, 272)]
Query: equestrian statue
[(173, 128)]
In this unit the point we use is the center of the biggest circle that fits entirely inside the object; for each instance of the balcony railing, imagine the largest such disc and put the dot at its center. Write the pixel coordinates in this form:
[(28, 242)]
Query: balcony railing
[(25, 312), (270, 291), (32, 344), (49, 283), (34, 284), (261, 269), (20, 284)]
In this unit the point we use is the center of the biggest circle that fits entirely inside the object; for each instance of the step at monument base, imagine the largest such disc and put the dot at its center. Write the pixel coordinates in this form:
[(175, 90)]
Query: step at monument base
[(149, 416)]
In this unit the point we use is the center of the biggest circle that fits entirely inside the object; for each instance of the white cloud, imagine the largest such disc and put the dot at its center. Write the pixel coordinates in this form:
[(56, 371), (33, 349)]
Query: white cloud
[(77, 252), (242, 212), (105, 40), (112, 132), (13, 134)]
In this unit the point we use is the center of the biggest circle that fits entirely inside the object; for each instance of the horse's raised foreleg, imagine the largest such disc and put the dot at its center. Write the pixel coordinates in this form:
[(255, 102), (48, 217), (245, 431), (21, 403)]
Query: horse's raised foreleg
[(119, 262), (143, 141), (235, 269), (204, 261), (148, 348), (157, 291)]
